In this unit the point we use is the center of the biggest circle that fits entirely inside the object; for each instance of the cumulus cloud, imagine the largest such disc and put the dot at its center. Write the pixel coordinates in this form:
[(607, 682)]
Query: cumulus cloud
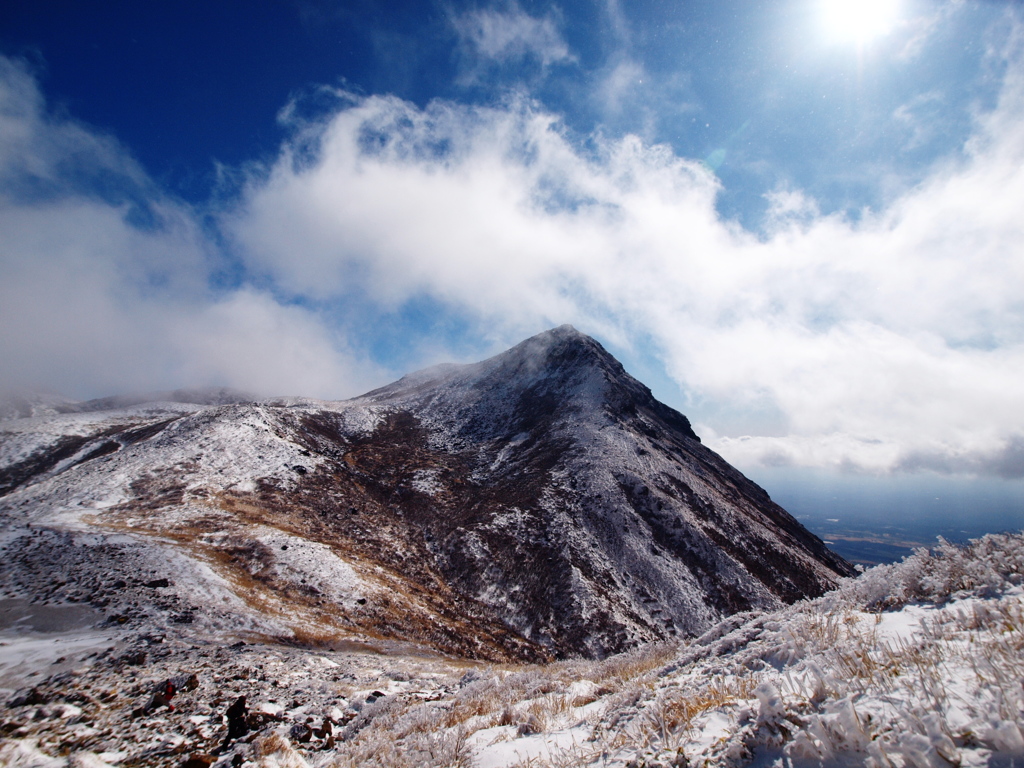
[(891, 342), (873, 342), (108, 287)]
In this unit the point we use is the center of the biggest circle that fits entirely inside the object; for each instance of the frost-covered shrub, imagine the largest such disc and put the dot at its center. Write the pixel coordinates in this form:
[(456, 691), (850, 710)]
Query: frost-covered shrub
[(440, 749), (984, 566)]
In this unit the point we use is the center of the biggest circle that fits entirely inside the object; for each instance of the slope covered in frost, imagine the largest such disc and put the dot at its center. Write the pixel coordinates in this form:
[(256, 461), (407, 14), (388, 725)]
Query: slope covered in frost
[(536, 505), (915, 664)]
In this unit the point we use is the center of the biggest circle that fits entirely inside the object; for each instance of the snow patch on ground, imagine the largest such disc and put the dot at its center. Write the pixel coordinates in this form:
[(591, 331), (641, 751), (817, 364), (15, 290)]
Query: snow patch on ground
[(308, 562), (426, 481)]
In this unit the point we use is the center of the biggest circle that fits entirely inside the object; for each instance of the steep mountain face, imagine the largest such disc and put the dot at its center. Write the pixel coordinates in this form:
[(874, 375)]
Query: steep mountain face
[(538, 504)]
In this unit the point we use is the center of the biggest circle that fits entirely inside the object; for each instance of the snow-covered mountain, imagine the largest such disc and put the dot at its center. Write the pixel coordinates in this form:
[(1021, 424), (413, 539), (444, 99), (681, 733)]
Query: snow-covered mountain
[(29, 404), (538, 504)]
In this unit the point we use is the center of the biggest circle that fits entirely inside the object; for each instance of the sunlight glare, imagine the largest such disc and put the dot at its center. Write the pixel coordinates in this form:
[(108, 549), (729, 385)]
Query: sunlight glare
[(858, 21)]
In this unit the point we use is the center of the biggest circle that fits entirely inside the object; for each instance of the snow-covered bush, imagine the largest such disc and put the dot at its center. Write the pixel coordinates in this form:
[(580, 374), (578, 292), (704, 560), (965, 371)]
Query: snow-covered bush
[(985, 566), (916, 664)]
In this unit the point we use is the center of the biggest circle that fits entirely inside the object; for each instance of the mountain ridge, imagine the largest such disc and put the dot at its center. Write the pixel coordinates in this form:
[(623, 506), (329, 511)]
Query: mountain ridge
[(541, 503)]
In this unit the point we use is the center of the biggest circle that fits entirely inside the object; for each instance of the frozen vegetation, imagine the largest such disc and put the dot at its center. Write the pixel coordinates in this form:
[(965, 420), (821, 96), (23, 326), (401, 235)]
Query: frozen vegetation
[(919, 664)]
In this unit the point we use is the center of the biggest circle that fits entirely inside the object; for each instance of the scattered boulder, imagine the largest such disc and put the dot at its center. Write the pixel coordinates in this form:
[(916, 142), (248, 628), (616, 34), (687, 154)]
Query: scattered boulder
[(32, 697), (58, 711), (199, 760), (325, 730), (133, 658), (238, 724)]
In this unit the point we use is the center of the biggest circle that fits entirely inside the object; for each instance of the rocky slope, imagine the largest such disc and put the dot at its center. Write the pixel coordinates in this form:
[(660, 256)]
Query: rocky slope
[(538, 504), (915, 664)]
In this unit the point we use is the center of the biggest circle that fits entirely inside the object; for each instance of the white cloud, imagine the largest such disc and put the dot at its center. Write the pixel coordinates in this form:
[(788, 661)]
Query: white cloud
[(894, 341), (786, 206), (891, 343), (249, 339), (619, 86), (919, 117), (512, 35), (91, 304)]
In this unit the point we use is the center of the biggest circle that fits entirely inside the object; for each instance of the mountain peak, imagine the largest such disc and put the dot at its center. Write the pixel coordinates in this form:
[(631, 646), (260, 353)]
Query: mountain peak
[(538, 357), (557, 376), (565, 330), (564, 334), (567, 335), (540, 503), (564, 358), (561, 347)]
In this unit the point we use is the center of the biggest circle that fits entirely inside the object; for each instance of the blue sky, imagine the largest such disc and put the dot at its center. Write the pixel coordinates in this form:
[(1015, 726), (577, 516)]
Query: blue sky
[(800, 224)]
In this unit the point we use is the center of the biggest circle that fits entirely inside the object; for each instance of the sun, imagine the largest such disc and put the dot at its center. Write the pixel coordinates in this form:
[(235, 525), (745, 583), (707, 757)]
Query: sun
[(858, 21)]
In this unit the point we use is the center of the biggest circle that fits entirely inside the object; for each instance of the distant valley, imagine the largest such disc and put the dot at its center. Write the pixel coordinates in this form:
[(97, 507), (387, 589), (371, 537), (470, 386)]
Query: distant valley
[(880, 520)]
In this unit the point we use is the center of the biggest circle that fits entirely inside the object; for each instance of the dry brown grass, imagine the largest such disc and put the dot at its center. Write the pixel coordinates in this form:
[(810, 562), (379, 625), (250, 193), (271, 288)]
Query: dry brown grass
[(668, 720), (405, 606), (274, 750), (633, 665), (463, 709), (382, 750)]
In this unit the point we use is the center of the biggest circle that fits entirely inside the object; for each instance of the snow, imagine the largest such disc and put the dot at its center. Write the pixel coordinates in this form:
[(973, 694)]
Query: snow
[(25, 754), (930, 682), (426, 481), (196, 461), (221, 446), (901, 626), (305, 561), (914, 664), (497, 747), (22, 653)]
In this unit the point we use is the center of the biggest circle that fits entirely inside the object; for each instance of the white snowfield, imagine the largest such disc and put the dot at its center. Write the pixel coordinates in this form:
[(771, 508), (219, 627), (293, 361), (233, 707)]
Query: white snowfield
[(915, 664)]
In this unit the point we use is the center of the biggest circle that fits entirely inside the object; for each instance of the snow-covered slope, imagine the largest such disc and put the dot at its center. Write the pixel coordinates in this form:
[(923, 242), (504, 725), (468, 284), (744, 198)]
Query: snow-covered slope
[(912, 665), (538, 504), (600, 501)]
